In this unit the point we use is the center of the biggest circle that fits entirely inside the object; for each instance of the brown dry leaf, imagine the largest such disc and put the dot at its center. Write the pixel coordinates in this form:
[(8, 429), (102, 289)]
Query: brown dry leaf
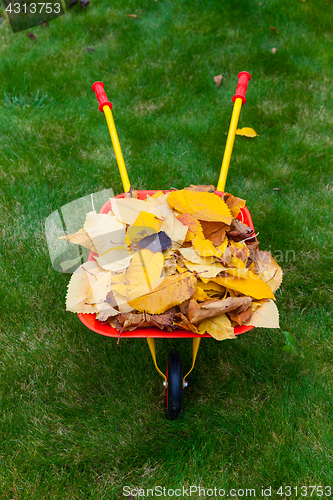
[(239, 231), (268, 270), (274, 29), (214, 231), (252, 286), (242, 317), (81, 237), (132, 15), (219, 327), (170, 266), (266, 316), (218, 80), (205, 206), (234, 204), (274, 50), (194, 226), (132, 193), (181, 321), (201, 188), (172, 291), (246, 131), (215, 307)]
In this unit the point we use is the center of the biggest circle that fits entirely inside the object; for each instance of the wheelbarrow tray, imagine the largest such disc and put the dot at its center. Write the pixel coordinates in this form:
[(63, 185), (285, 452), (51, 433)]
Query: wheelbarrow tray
[(103, 328)]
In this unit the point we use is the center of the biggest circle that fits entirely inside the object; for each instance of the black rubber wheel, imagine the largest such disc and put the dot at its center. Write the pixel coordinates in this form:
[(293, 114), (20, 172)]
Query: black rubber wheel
[(174, 394)]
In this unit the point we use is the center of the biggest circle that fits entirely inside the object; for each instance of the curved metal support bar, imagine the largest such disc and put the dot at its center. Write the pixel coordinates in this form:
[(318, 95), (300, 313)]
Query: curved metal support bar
[(151, 344)]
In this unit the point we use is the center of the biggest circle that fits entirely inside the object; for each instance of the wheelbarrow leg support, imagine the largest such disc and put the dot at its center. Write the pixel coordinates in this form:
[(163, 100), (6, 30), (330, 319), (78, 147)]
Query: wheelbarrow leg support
[(151, 345), (196, 343)]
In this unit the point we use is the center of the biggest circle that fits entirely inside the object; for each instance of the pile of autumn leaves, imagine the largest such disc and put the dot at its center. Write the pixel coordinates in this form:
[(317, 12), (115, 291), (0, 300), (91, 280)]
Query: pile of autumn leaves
[(180, 259)]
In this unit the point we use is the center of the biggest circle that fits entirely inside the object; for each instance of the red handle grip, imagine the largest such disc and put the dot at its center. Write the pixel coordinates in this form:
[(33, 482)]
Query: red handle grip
[(243, 80), (98, 88)]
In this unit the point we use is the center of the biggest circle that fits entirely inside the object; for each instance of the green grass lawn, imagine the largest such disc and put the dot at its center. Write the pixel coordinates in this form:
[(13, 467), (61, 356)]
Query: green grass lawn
[(81, 416)]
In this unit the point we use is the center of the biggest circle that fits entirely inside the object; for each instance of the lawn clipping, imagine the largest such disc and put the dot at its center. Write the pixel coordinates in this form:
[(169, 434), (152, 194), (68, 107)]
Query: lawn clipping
[(181, 259)]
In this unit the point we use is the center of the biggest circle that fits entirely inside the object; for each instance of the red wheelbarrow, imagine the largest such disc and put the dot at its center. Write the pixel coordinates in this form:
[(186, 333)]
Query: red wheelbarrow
[(174, 379)]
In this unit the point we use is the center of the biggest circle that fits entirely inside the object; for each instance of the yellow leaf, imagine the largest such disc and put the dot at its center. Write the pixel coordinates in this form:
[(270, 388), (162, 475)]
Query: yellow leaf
[(189, 254), (81, 237), (142, 276), (200, 294), (205, 270), (246, 131), (115, 259), (219, 327), (208, 285), (127, 210), (174, 229), (252, 285), (172, 291), (149, 221), (266, 316), (205, 206), (105, 231), (205, 247), (77, 292)]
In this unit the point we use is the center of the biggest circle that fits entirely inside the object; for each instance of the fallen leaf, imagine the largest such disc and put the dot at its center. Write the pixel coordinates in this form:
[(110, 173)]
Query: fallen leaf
[(115, 259), (201, 188), (142, 276), (81, 237), (274, 50), (205, 206), (266, 316), (277, 189), (218, 80), (205, 247), (219, 327), (156, 242), (214, 231), (240, 232), (204, 270), (190, 255), (127, 210), (215, 307), (105, 231), (246, 131), (77, 291), (194, 226), (274, 29), (132, 193), (172, 291), (233, 203), (240, 317), (32, 36), (268, 270), (90, 49), (132, 15), (181, 321), (252, 286), (174, 229)]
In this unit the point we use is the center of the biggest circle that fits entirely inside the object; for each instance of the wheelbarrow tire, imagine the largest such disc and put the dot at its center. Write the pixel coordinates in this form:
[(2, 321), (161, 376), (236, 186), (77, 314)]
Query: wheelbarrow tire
[(174, 395)]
